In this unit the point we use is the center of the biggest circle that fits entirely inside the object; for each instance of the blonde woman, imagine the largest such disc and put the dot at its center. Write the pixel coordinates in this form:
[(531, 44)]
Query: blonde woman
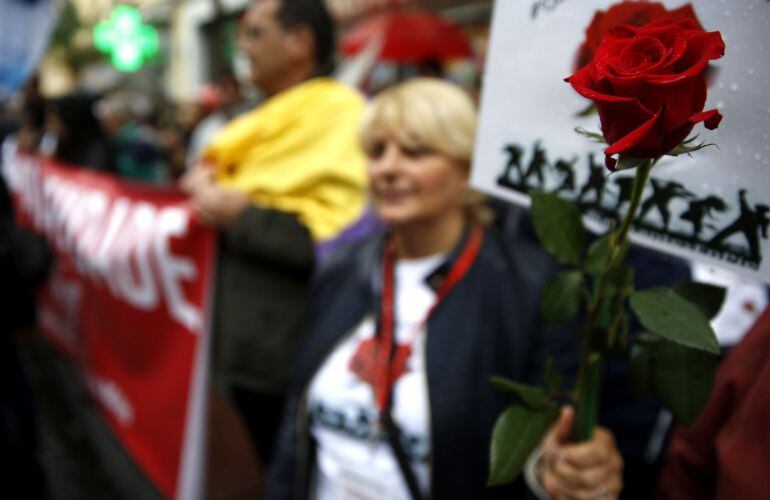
[(393, 399)]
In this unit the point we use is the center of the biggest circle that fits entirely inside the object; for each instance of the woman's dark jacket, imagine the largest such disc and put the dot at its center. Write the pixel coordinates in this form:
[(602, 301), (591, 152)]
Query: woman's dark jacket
[(488, 325)]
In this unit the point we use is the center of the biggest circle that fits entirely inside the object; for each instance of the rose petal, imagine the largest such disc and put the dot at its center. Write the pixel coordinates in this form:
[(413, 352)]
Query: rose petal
[(710, 118), (678, 50), (686, 12), (583, 82), (649, 82), (672, 138), (641, 55), (610, 162), (681, 101), (700, 49), (628, 13), (634, 138), (619, 119)]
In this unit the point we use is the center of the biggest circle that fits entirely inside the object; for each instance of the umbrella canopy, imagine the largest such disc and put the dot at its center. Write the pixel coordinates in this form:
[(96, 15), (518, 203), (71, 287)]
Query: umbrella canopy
[(409, 36)]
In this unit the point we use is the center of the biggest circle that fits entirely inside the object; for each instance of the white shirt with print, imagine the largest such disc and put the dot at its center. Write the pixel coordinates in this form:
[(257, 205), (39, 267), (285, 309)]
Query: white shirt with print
[(354, 457)]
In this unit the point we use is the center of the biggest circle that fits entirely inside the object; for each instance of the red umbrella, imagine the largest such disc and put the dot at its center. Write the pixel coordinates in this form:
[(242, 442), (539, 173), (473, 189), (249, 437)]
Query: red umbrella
[(409, 36)]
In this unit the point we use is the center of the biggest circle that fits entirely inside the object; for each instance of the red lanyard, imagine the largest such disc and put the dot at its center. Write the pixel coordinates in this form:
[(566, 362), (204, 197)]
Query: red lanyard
[(385, 375)]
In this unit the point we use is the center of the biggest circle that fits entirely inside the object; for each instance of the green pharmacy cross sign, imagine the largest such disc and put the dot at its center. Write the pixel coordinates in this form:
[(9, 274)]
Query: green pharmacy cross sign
[(128, 41)]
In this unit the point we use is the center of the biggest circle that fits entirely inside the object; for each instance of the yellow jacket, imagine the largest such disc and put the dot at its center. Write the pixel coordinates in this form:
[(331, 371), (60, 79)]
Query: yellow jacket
[(299, 152)]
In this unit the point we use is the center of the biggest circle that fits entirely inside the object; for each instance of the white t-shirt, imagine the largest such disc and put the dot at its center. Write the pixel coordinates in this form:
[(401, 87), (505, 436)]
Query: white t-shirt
[(354, 457)]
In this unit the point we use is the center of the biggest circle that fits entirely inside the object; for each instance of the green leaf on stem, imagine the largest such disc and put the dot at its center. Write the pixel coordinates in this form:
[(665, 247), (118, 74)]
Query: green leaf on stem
[(708, 298), (561, 297), (551, 376), (516, 433), (559, 227), (531, 396), (682, 377), (598, 254), (664, 312)]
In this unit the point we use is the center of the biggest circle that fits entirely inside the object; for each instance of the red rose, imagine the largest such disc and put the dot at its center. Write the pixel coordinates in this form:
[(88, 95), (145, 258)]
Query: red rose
[(627, 12), (649, 85)]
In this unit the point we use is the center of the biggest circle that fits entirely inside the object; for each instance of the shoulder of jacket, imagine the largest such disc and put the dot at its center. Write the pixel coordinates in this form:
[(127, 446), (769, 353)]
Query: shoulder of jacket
[(520, 256), (355, 259)]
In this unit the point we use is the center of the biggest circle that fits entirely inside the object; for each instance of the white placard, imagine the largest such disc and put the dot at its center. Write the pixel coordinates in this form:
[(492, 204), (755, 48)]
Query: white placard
[(527, 139)]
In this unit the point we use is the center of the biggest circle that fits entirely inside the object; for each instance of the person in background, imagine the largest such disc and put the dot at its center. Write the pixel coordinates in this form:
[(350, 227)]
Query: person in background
[(32, 115), (726, 453), (190, 114), (25, 261), (276, 181), (430, 67), (229, 104), (135, 150), (392, 395), (73, 134)]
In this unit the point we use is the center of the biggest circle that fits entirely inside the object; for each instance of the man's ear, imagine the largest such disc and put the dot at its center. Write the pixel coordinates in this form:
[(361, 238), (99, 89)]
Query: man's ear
[(302, 43)]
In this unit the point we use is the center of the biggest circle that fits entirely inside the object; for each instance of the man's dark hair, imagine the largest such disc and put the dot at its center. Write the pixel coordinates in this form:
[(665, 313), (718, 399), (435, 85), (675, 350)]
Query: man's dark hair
[(313, 14)]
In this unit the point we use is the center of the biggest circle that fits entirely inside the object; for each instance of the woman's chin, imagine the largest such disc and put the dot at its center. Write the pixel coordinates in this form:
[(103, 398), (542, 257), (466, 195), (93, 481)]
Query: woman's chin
[(395, 220), (394, 215)]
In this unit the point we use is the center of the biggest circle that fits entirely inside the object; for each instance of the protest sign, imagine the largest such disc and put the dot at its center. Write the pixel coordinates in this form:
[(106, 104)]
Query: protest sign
[(711, 207), (127, 302)]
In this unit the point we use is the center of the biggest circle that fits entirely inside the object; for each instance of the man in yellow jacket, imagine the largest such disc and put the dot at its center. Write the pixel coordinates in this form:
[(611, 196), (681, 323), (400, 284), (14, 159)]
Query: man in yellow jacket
[(276, 181)]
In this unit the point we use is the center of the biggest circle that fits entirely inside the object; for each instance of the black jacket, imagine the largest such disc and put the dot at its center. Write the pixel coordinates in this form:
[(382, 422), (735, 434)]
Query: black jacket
[(487, 325), (263, 276)]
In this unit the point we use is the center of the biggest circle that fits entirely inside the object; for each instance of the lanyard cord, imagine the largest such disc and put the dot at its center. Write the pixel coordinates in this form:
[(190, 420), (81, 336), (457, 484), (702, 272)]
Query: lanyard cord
[(386, 336)]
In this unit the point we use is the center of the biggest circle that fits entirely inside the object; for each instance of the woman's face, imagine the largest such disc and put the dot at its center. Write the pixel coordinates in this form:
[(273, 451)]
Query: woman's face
[(413, 185)]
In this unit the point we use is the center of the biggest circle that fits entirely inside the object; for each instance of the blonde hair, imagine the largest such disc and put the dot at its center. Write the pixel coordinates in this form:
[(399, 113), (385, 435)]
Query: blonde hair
[(427, 113)]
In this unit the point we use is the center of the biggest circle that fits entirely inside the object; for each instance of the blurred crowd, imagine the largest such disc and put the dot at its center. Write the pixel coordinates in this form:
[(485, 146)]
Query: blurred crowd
[(357, 375), (121, 130)]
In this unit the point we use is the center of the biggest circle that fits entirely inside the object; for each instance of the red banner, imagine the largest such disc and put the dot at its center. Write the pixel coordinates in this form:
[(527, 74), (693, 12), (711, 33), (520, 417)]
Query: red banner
[(127, 302)]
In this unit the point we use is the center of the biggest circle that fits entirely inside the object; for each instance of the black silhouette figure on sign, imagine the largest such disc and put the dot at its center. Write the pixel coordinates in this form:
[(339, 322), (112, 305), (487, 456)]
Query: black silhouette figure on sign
[(661, 197), (699, 210), (514, 163), (536, 165), (597, 179), (567, 171), (625, 189), (751, 223)]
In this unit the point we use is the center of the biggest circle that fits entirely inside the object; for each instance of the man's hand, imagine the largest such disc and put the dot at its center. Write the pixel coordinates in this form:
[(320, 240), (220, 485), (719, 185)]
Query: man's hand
[(200, 175), (589, 470), (215, 205)]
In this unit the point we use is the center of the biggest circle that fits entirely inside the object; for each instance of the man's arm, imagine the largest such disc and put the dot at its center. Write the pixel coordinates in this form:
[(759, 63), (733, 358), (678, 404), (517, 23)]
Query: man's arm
[(248, 229), (271, 235)]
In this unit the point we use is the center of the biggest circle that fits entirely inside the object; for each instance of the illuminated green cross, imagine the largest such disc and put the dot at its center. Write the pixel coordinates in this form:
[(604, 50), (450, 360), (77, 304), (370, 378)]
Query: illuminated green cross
[(126, 39)]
